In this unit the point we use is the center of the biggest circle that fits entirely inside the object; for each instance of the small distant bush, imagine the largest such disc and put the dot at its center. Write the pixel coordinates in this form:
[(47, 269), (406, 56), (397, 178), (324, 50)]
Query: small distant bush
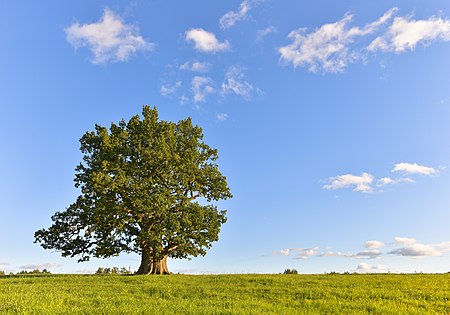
[(2, 273), (112, 271), (290, 272)]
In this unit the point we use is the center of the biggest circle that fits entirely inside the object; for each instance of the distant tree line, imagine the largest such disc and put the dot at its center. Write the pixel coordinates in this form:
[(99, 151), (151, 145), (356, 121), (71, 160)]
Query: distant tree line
[(290, 272), (112, 271)]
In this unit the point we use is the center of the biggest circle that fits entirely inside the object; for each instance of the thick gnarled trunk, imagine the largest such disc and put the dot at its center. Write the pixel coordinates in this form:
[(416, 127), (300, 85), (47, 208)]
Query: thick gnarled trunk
[(152, 265)]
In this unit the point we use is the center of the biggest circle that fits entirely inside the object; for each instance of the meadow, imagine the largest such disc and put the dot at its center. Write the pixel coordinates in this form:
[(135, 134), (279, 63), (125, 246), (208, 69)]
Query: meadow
[(226, 294)]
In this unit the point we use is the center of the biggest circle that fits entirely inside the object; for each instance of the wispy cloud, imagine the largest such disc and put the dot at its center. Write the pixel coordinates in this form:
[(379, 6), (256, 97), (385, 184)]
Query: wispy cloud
[(261, 34), (414, 168), (406, 33), (205, 41), (195, 66), (327, 48), (235, 82), (170, 89), (39, 266), (232, 17), (332, 47), (222, 116), (361, 183), (110, 39), (201, 87)]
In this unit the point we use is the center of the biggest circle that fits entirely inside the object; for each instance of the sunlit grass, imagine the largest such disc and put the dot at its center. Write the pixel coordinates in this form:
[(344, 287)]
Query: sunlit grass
[(225, 294)]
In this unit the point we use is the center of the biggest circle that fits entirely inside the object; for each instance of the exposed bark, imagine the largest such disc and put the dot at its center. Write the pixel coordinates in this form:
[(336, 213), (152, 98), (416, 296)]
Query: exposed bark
[(146, 266), (152, 265), (160, 266)]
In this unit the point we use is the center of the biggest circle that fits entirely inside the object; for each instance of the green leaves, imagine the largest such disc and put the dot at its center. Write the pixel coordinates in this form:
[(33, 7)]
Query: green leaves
[(140, 184)]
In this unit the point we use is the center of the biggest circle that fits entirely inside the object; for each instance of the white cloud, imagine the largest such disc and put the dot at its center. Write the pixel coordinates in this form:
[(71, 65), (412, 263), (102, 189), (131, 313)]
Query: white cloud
[(411, 247), (230, 18), (405, 240), (261, 34), (184, 99), (366, 268), (201, 87), (205, 41), (284, 252), (235, 83), (170, 89), (305, 253), (414, 168), (110, 39), (328, 47), (373, 244), (222, 116), (405, 33), (370, 254), (195, 66), (390, 181), (361, 183), (416, 250)]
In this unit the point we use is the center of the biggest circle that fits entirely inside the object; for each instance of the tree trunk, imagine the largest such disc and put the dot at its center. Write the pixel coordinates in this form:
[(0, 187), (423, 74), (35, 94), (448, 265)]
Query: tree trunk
[(160, 266), (146, 264), (152, 265)]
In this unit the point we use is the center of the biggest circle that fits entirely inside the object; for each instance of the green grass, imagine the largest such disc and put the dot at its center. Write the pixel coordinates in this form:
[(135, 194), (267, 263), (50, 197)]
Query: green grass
[(226, 294)]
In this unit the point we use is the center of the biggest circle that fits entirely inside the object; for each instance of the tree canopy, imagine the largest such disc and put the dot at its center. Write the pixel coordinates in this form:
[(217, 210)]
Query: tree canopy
[(147, 186)]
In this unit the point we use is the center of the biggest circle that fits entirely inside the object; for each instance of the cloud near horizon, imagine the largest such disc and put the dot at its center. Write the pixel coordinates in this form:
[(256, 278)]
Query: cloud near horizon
[(109, 40)]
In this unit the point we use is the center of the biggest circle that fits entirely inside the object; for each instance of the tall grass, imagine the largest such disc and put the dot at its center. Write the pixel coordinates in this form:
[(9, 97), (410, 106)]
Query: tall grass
[(226, 294)]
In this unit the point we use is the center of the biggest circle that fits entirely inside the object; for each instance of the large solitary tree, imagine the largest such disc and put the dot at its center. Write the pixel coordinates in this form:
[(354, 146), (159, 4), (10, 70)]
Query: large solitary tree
[(147, 186)]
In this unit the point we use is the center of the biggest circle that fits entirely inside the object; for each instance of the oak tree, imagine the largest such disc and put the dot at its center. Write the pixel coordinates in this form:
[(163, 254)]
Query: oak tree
[(147, 186)]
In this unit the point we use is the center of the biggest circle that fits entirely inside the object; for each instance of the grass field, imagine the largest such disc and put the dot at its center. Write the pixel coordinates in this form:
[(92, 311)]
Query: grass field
[(226, 294)]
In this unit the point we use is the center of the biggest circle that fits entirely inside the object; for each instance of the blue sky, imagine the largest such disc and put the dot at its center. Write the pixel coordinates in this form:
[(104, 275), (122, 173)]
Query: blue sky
[(331, 119)]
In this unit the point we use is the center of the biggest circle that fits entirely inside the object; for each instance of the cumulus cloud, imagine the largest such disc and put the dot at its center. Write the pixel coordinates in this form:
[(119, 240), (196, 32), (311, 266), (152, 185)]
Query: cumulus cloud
[(405, 240), (414, 168), (222, 116), (406, 33), (416, 250), (201, 87), (305, 253), (205, 41), (235, 82), (261, 34), (195, 66), (361, 183), (110, 39), (373, 244), (411, 247), (367, 268), (328, 48), (170, 89), (232, 17)]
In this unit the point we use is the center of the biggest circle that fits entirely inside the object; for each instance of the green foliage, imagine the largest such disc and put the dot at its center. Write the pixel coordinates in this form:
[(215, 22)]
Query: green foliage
[(226, 294), (290, 272), (147, 186), (2, 273)]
